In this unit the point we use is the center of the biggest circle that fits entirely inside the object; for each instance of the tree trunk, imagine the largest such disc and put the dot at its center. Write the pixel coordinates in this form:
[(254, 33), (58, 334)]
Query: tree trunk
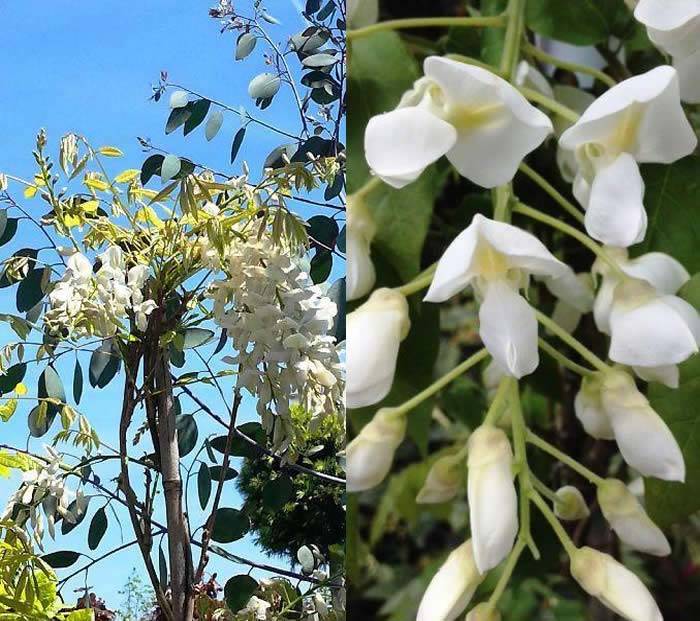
[(179, 548)]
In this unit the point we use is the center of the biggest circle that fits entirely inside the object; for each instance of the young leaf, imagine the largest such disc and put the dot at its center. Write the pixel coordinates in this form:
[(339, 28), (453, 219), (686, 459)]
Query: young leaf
[(98, 527), (214, 123), (245, 45), (204, 485), (179, 99), (237, 142), (77, 382), (104, 365), (170, 167), (200, 109), (264, 86), (177, 117)]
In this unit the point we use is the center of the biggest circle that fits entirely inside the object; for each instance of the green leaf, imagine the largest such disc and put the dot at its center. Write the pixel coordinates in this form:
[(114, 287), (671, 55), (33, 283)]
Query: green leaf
[(178, 116), (204, 485), (671, 199), (214, 123), (245, 45), (194, 337), (264, 86), (229, 525), (179, 99), (151, 167), (9, 232), (187, 433), (669, 502), (321, 266), (98, 528), (277, 493), (312, 6), (77, 382), (585, 22), (323, 231), (237, 143), (216, 473), (66, 526), (493, 39), (170, 167), (39, 423), (13, 376), (50, 385), (200, 109), (29, 292), (239, 447), (3, 221), (238, 591), (337, 294), (61, 559), (320, 60), (105, 363), (162, 568)]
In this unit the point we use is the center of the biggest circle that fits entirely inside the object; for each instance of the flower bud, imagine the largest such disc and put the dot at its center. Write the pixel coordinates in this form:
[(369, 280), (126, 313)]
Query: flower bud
[(644, 439), (588, 406), (370, 454), (360, 230), (614, 585), (482, 613), (452, 587), (570, 504), (374, 333), (443, 481), (492, 498), (629, 520)]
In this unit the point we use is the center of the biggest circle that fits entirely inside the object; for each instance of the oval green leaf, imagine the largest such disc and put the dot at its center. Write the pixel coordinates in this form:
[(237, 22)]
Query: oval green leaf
[(245, 45), (229, 525), (204, 485), (98, 528), (61, 559), (238, 591), (264, 86), (187, 433)]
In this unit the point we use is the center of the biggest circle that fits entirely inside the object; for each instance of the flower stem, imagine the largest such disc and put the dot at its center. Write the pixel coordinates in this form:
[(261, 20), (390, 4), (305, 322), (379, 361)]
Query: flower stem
[(563, 360), (550, 104), (514, 32), (563, 536), (420, 282), (543, 489), (552, 191), (496, 407), (569, 230), (501, 202), (541, 443), (439, 384), (572, 342), (539, 54), (494, 21), (505, 576), (368, 187)]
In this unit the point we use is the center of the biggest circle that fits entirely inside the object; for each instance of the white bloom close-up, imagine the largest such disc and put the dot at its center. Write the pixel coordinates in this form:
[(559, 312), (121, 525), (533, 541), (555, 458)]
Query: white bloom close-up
[(629, 520), (615, 586), (374, 333), (493, 502), (452, 587), (640, 120), (360, 230), (370, 454), (674, 27), (481, 123), (496, 259), (610, 406)]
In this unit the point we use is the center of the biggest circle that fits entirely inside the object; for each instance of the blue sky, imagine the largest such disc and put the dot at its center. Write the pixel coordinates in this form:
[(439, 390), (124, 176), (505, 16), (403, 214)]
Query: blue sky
[(86, 67)]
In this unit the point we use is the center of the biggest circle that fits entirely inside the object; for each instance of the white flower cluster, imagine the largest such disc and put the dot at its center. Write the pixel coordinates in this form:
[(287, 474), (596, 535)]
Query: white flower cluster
[(43, 497), (279, 324), (85, 302)]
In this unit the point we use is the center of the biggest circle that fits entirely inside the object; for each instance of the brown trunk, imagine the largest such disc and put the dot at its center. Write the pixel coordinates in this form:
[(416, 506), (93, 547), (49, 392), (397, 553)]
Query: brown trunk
[(179, 549)]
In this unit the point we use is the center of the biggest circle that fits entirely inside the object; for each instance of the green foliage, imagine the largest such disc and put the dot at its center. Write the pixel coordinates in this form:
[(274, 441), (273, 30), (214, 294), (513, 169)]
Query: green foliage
[(289, 510)]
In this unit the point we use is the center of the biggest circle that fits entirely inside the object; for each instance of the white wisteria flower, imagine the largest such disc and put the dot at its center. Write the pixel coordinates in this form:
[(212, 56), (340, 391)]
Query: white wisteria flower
[(374, 332), (360, 230), (452, 587), (674, 27), (610, 406), (570, 504), (629, 520), (530, 76), (370, 454), (361, 13), (496, 259), (481, 123), (578, 100), (493, 502), (575, 298), (444, 480), (666, 276), (640, 120), (604, 578)]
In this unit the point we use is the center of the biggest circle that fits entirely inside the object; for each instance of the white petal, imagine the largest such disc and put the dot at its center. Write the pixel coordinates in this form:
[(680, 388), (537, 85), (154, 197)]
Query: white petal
[(493, 510), (531, 77), (615, 213), (508, 328), (644, 439), (575, 289), (374, 333), (588, 406), (452, 587), (672, 26), (488, 150), (360, 273), (653, 334), (688, 68), (668, 375), (602, 307), (454, 271), (399, 145), (660, 270)]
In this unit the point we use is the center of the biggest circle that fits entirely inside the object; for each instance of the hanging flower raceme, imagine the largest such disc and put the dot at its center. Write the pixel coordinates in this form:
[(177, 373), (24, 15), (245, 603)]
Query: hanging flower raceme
[(452, 587), (493, 502), (674, 27), (481, 123), (360, 230), (628, 519), (496, 260), (610, 406), (370, 454), (639, 120), (602, 577), (374, 332)]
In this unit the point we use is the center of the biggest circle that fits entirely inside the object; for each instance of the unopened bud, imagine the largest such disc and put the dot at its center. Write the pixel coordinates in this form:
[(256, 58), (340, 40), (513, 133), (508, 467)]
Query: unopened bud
[(444, 480), (570, 504), (483, 613)]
